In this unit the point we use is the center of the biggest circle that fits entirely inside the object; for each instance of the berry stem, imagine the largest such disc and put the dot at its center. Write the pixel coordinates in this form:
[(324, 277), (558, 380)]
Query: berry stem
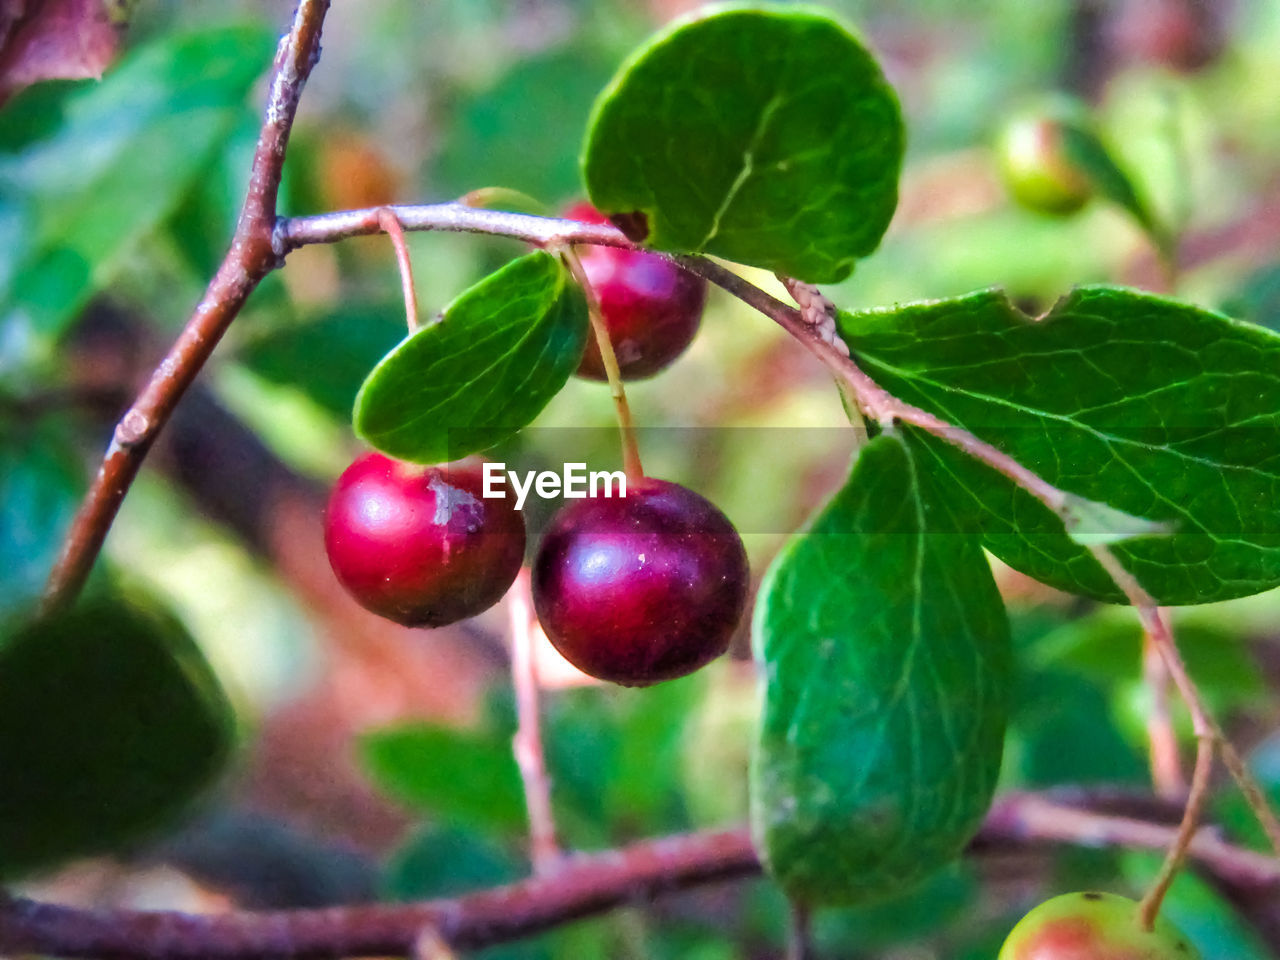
[(800, 936), (1177, 852), (391, 226), (630, 449), (1202, 722), (544, 849)]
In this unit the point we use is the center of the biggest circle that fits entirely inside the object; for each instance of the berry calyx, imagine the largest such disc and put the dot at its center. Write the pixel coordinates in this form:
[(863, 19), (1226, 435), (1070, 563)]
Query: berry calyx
[(641, 588), (651, 307), (421, 545), (1093, 926), (1036, 167)]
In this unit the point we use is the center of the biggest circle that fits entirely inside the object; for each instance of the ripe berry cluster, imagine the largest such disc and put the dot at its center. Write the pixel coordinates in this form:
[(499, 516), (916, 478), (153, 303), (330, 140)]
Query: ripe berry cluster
[(635, 589)]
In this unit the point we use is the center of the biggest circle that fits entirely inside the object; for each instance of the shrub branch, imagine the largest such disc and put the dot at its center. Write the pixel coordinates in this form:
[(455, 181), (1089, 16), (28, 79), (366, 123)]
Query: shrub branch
[(252, 256), (583, 885)]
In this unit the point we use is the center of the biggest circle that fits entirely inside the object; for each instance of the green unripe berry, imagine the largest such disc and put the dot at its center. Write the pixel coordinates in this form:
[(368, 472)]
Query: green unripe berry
[(1036, 167), (1093, 926)]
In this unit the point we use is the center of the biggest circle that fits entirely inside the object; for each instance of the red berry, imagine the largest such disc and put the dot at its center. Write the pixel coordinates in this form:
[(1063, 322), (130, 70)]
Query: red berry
[(421, 545), (651, 307), (640, 588)]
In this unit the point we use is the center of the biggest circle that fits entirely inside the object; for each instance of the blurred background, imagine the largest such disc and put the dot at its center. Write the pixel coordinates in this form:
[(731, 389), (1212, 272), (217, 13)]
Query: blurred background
[(373, 761)]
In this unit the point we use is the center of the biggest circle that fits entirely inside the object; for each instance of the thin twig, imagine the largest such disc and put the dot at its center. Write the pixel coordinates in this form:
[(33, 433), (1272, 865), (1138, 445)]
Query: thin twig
[(1166, 765), (544, 850), (1177, 852), (1203, 722), (582, 886), (630, 448), (387, 220), (252, 256), (1033, 817), (296, 232), (800, 942)]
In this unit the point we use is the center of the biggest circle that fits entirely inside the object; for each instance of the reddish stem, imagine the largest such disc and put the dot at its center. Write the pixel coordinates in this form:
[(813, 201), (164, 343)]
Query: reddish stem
[(544, 849), (387, 220), (630, 448)]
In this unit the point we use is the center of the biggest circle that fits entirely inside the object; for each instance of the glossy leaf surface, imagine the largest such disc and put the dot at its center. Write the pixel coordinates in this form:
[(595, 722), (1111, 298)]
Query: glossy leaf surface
[(763, 134), (504, 348), (886, 658), (1149, 406)]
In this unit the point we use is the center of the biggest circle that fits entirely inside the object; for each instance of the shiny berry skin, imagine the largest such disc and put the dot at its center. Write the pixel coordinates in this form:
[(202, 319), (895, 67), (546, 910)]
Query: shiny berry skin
[(641, 588), (1093, 926), (651, 307), (1036, 168), (421, 545)]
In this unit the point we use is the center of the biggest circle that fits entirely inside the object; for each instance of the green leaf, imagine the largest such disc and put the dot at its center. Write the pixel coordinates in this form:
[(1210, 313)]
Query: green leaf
[(1152, 407), (40, 486), (503, 350), (129, 149), (110, 722), (441, 771), (764, 134), (329, 357), (886, 658)]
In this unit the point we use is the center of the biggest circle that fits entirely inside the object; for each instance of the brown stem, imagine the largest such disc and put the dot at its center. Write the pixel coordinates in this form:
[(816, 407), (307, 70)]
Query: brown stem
[(387, 220), (584, 885), (544, 850), (253, 254), (630, 448)]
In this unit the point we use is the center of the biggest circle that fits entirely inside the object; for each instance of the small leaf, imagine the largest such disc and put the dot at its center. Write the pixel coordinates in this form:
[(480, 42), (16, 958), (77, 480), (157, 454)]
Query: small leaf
[(470, 778), (763, 134), (886, 657), (1149, 406), (110, 722), (503, 350)]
